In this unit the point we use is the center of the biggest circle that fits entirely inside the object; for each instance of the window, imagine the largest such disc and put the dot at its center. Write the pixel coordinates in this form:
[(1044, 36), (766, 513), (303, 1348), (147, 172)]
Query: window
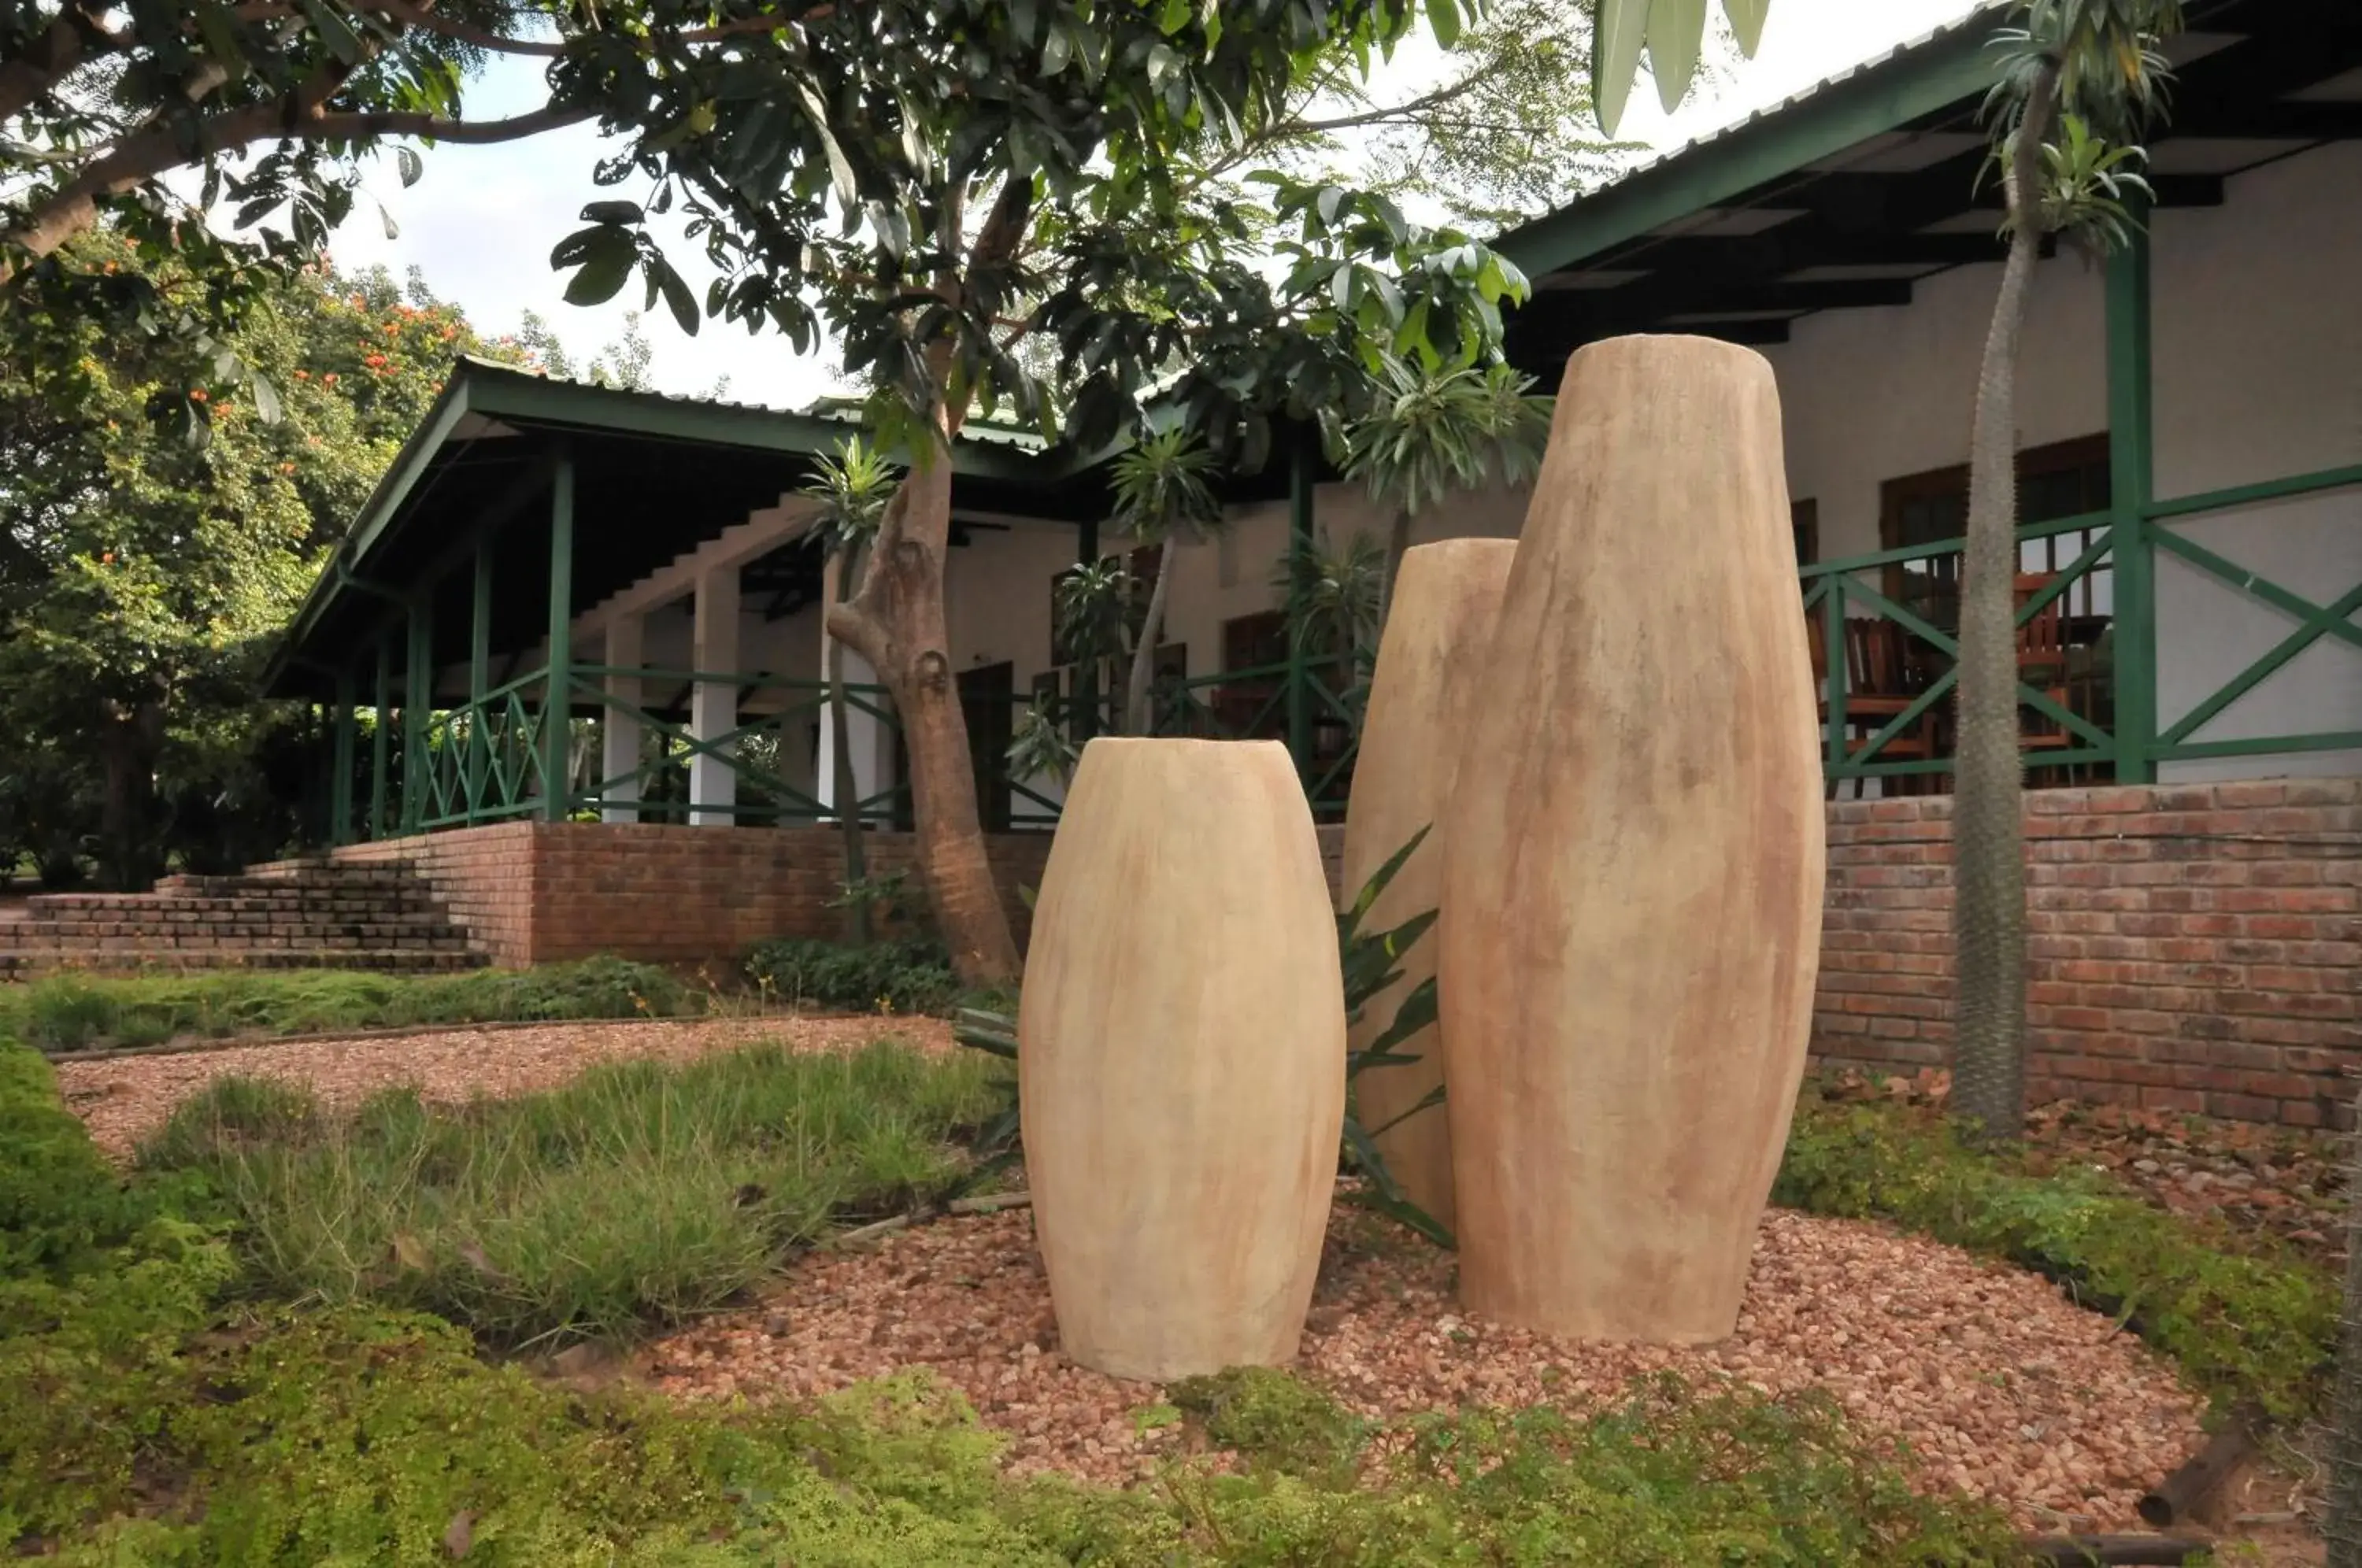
[(2065, 480)]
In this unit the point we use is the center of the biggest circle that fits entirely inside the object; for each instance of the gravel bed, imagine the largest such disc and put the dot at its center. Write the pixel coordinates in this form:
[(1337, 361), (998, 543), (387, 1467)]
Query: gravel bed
[(2001, 1387), (124, 1100)]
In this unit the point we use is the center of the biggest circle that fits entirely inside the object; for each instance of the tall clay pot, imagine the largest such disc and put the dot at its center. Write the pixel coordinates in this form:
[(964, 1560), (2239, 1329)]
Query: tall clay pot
[(1633, 861), (1181, 1058), (1431, 661)]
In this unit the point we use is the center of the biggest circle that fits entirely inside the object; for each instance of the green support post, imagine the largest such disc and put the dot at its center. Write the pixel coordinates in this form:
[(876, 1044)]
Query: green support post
[(381, 737), (340, 781), (417, 710), (2132, 477), (1299, 544), (479, 680), (556, 705), (1086, 671)]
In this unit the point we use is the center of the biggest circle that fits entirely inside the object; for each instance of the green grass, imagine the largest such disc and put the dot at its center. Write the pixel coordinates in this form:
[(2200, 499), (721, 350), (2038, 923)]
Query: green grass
[(73, 1012), (2246, 1318), (637, 1196)]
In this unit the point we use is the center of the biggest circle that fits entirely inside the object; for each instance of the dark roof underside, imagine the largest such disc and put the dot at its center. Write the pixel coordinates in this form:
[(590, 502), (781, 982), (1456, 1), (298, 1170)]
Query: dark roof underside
[(1846, 195)]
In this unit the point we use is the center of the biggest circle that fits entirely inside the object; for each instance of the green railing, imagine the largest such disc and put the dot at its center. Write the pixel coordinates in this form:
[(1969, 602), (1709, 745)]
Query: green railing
[(2109, 728), (484, 760)]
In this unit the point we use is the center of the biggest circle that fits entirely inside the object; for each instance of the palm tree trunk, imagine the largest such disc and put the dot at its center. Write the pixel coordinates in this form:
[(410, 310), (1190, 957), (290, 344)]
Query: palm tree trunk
[(2344, 1527), (1988, 837), (1397, 546), (1136, 716), (845, 792)]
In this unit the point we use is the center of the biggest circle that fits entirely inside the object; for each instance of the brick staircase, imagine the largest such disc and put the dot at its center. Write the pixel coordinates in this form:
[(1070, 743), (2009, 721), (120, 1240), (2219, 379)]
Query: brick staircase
[(292, 914)]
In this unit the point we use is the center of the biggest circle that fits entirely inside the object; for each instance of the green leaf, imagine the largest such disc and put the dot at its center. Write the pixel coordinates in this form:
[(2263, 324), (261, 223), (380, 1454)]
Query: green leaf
[(840, 167), (1057, 51), (1615, 38), (266, 406), (1443, 20), (612, 212), (1173, 18), (677, 295), (605, 255), (342, 41), (220, 32), (412, 166), (1676, 34), (1746, 22)]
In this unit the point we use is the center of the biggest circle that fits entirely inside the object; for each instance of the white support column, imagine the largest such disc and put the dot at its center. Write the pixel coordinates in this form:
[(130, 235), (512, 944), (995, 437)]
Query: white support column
[(868, 740), (714, 707), (620, 732)]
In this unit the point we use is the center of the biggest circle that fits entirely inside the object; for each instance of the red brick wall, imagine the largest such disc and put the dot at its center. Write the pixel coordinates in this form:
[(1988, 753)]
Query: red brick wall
[(539, 892), (2192, 947)]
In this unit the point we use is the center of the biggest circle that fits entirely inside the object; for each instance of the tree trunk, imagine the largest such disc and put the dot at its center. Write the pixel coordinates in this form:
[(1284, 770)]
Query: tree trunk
[(1398, 545), (1988, 838), (132, 736), (1136, 716), (897, 622), (846, 790), (2344, 1527)]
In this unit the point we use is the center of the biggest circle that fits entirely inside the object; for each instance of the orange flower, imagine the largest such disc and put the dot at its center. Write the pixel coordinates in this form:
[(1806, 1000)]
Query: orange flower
[(303, 375), (286, 467), (196, 395), (330, 379), (106, 559), (374, 361)]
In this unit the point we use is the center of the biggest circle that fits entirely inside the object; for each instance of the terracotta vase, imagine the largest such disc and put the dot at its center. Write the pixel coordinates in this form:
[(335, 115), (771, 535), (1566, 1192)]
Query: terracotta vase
[(1181, 1058), (1430, 660), (1633, 861)]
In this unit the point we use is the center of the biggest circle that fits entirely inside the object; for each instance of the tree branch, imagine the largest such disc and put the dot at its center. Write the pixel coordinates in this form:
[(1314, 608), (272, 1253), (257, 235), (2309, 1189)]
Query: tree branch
[(465, 32), (345, 126)]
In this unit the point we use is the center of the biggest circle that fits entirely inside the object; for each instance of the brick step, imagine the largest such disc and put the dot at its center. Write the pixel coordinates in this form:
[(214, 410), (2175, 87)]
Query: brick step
[(163, 917), (18, 965), (362, 881), (442, 940), (251, 902)]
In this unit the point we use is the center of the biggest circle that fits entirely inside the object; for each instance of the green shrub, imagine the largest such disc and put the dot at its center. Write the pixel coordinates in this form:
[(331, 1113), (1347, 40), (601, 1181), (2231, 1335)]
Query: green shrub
[(72, 1013), (637, 1196), (2243, 1320), (884, 977)]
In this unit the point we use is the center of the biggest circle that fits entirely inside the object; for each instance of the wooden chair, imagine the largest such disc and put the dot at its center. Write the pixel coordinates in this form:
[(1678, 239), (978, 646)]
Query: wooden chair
[(2042, 665), (1879, 687)]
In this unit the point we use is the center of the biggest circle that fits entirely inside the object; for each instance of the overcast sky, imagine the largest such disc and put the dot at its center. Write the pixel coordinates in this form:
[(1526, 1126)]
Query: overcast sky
[(482, 221)]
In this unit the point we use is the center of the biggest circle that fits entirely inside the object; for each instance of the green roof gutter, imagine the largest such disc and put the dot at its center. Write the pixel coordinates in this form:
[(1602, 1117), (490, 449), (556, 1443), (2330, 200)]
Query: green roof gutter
[(1952, 67), (500, 392)]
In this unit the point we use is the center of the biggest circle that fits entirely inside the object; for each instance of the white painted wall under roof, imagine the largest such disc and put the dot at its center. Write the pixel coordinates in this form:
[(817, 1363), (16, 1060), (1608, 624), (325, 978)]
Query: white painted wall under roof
[(2257, 369)]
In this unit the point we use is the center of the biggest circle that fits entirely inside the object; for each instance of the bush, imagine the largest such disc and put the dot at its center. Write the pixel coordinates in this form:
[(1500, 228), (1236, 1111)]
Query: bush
[(2243, 1322), (884, 977), (634, 1197), (72, 1013)]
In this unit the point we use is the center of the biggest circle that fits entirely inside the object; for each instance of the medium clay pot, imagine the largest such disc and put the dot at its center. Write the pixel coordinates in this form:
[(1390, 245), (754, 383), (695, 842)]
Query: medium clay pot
[(1633, 861), (1439, 626), (1181, 1058)]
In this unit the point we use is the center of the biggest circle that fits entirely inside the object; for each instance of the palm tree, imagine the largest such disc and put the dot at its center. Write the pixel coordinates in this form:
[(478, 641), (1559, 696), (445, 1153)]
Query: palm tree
[(1435, 431), (852, 488), (1162, 497), (2086, 74)]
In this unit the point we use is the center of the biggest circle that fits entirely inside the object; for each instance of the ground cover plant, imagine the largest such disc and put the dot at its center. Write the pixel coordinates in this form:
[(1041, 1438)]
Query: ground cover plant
[(167, 1410), (2245, 1316), (630, 1198), (73, 1011)]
